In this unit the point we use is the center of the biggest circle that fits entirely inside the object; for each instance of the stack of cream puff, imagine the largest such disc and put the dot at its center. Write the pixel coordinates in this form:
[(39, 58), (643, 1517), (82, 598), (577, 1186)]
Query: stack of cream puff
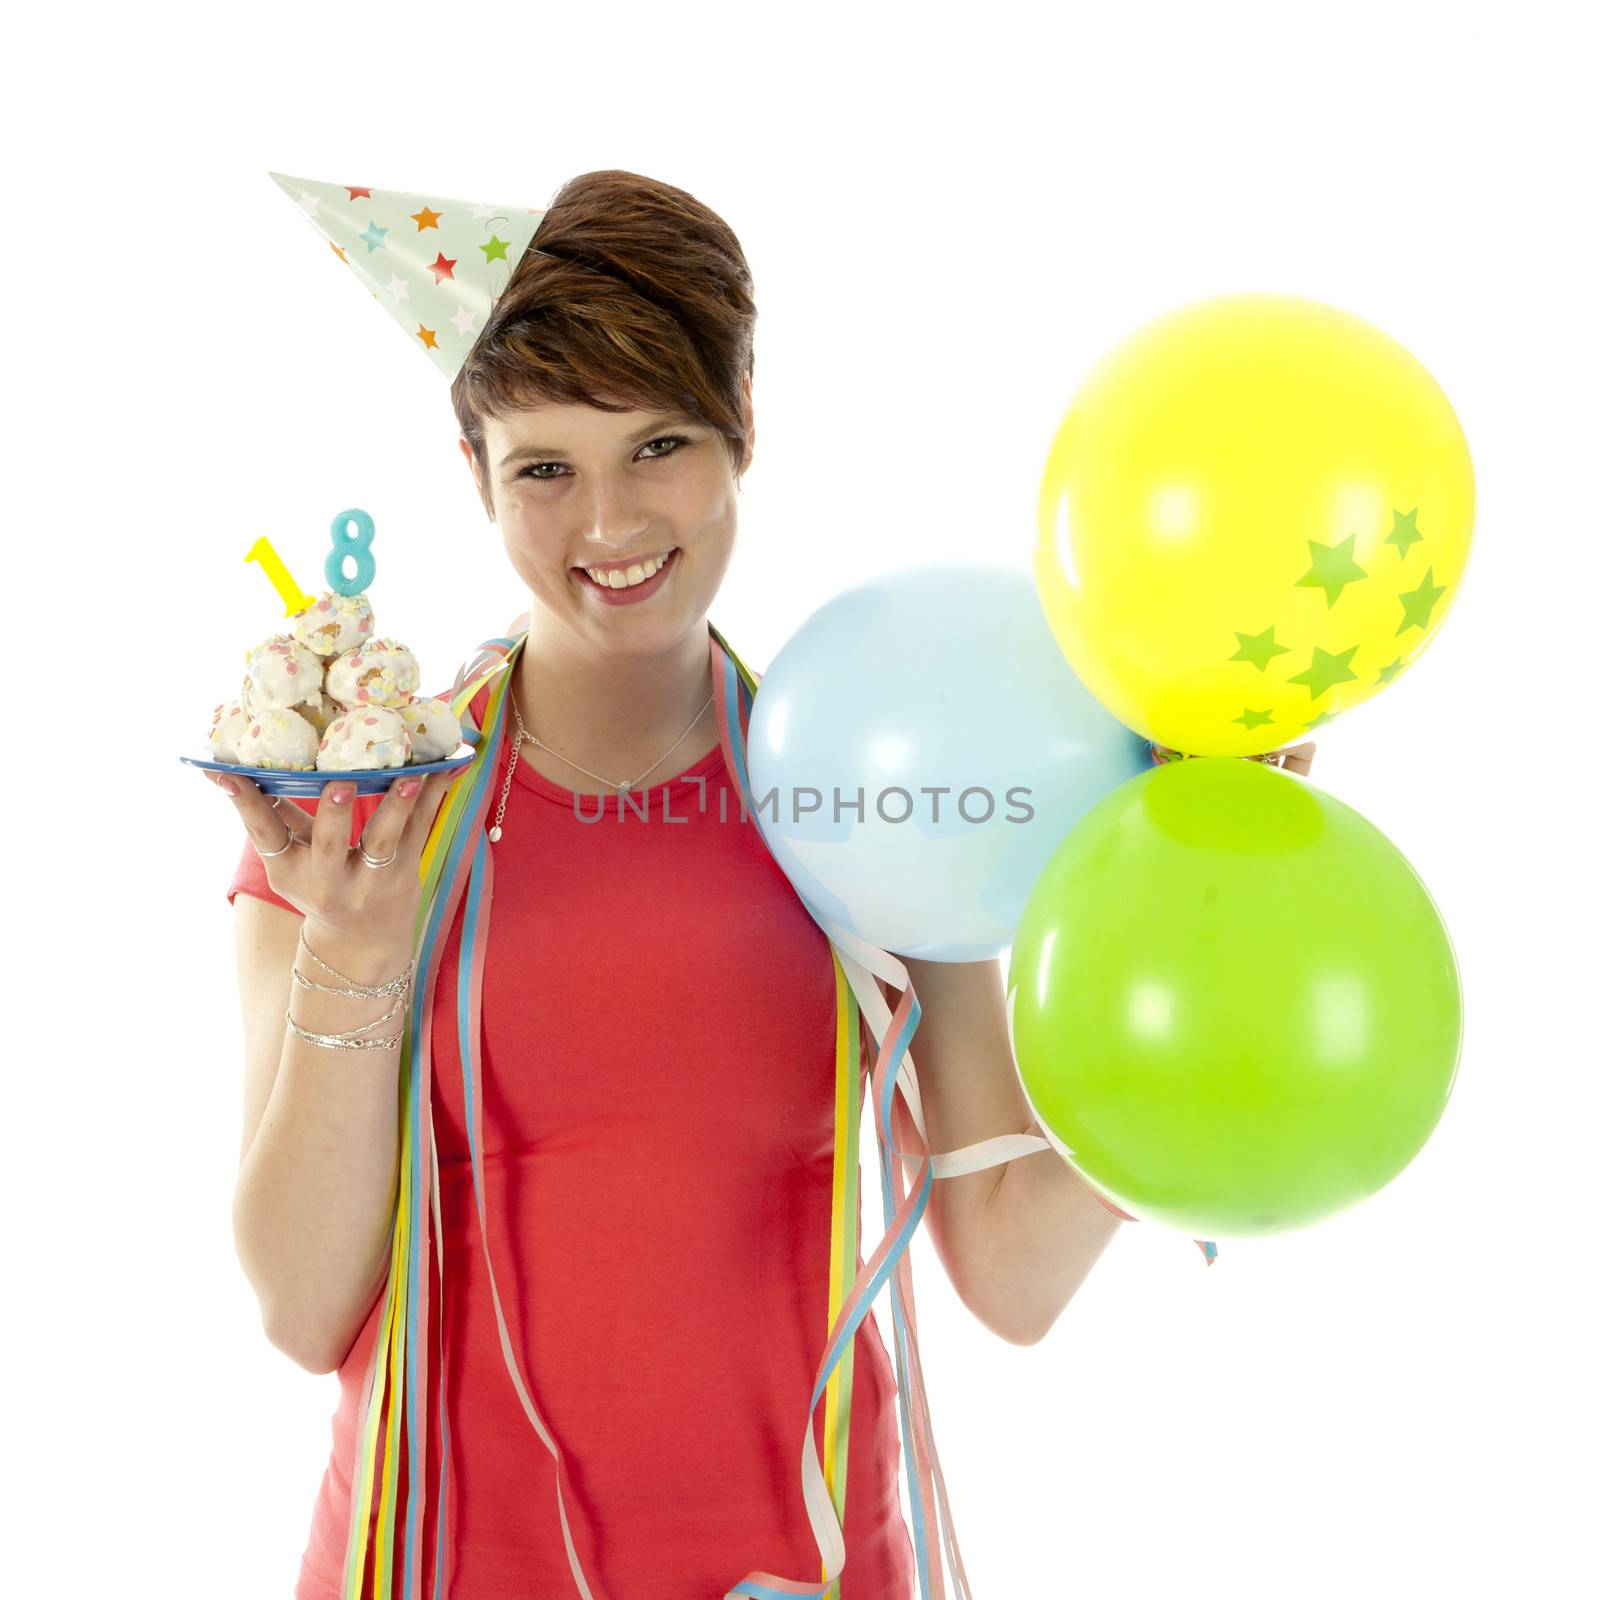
[(328, 696)]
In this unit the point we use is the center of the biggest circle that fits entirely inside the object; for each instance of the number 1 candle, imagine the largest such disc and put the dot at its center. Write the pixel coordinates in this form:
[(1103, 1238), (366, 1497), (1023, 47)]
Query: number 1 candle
[(295, 599)]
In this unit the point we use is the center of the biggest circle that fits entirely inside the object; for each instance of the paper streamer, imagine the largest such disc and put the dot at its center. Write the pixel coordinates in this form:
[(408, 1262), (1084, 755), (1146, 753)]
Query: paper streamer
[(457, 873)]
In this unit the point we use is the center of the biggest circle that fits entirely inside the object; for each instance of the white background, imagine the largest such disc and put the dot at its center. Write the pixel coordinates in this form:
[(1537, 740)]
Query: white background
[(950, 212)]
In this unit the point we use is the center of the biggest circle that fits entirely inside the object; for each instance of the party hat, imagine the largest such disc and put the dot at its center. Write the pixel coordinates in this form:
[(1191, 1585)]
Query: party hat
[(436, 265)]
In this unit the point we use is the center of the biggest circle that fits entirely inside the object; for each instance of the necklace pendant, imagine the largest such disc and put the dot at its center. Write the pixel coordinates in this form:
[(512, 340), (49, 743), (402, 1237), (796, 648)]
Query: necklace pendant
[(494, 834), (624, 788)]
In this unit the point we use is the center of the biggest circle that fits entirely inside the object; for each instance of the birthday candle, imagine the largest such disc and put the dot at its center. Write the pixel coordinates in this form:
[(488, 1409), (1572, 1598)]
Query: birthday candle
[(355, 546), (295, 600)]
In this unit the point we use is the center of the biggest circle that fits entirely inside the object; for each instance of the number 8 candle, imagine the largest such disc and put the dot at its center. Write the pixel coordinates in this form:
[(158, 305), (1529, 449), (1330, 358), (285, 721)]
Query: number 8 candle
[(356, 546)]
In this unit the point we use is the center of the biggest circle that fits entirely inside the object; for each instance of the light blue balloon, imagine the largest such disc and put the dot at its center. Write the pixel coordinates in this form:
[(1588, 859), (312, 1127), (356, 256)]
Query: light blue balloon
[(936, 676)]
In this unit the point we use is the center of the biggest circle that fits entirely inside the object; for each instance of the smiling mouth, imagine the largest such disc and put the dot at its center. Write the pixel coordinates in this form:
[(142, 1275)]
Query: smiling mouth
[(622, 588)]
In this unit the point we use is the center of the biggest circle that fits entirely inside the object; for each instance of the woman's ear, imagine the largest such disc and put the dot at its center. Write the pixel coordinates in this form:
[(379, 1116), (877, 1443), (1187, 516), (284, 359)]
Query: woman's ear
[(749, 429), (477, 477)]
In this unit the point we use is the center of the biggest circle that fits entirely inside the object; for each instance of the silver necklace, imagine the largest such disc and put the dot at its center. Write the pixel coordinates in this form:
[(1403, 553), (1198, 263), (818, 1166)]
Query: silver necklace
[(622, 788)]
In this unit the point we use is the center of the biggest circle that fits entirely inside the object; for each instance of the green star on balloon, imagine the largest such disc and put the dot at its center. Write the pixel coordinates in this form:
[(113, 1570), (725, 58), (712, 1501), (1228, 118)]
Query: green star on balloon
[(1254, 719), (1319, 719), (1404, 532), (1388, 672), (495, 250), (1418, 603), (1326, 669), (1258, 648), (1332, 568)]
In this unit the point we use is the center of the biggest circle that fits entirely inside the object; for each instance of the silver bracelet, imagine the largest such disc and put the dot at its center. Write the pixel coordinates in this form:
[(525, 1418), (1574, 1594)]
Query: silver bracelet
[(398, 987), (344, 1041), (365, 991), (349, 1040), (371, 991)]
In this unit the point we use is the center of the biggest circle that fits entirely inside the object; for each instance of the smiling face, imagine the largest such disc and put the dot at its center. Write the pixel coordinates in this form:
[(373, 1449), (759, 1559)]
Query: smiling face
[(573, 487)]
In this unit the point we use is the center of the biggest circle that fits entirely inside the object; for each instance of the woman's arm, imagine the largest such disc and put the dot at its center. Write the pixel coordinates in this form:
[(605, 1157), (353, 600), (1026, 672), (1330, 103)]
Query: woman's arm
[(1016, 1240), (313, 1204)]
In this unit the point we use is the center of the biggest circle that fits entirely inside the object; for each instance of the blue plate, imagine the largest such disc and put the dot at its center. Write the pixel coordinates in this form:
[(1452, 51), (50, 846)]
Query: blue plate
[(309, 785)]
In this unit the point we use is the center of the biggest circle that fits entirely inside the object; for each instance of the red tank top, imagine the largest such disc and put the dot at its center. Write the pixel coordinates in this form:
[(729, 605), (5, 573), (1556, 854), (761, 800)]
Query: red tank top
[(658, 1080)]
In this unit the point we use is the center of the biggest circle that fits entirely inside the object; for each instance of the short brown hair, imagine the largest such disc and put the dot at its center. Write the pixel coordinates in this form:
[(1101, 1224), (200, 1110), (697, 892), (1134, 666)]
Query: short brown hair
[(633, 290)]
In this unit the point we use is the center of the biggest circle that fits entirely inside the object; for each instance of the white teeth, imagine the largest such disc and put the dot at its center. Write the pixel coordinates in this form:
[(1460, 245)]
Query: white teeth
[(635, 574)]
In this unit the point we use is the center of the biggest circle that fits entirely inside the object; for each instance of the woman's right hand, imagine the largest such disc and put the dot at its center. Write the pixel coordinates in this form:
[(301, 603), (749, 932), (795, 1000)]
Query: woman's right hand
[(324, 876)]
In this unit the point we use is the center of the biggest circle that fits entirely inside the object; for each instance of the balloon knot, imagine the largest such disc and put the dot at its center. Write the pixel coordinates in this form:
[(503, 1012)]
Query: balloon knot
[(1294, 758)]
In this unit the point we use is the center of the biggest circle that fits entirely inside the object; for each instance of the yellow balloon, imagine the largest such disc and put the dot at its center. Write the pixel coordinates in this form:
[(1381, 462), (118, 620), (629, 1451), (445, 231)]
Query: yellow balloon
[(1256, 512)]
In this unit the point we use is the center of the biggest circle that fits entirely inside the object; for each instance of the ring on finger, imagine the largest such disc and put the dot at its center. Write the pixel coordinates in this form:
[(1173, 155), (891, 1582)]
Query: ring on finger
[(372, 861), (266, 855)]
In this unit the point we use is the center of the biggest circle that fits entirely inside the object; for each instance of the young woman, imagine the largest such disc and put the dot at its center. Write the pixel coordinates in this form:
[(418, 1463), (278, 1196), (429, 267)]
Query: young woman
[(658, 1010)]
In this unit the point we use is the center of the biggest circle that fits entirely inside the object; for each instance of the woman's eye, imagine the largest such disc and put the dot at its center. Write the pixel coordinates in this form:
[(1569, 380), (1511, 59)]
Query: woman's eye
[(532, 470)]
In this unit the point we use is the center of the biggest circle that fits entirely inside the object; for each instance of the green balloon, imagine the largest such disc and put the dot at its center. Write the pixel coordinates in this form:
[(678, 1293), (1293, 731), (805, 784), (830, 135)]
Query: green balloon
[(1233, 1003)]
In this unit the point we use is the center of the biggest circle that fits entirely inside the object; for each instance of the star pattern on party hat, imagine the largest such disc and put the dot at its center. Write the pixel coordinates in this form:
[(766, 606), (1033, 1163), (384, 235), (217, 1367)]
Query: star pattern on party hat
[(435, 264)]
